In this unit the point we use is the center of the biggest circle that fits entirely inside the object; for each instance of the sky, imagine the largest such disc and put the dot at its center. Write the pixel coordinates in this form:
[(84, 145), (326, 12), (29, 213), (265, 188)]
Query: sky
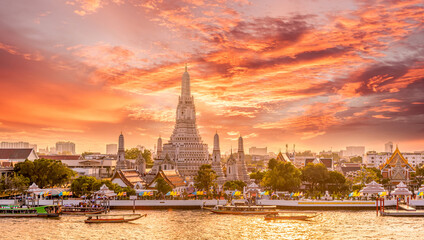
[(320, 74)]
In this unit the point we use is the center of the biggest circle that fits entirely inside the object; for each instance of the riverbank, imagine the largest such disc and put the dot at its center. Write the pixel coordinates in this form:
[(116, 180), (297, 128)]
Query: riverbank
[(197, 204)]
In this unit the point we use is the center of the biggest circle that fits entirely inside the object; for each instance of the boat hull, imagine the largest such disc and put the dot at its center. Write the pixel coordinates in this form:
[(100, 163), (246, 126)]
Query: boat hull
[(288, 218), (81, 213), (113, 220), (23, 215), (242, 212)]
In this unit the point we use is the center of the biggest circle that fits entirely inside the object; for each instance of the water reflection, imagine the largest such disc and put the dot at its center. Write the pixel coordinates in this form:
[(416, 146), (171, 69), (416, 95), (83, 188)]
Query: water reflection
[(198, 224)]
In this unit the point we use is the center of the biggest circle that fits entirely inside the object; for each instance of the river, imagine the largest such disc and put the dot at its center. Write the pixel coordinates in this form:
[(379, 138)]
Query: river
[(198, 224)]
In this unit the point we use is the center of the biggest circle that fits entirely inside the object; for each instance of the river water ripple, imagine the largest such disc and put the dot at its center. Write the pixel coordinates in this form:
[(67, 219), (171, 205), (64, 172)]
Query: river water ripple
[(198, 224)]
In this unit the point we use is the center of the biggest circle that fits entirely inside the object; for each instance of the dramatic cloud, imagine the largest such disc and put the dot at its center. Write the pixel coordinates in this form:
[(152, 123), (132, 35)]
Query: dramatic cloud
[(334, 74)]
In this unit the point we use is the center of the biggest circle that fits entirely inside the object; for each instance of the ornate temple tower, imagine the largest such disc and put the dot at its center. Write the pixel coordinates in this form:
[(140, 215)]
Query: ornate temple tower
[(185, 146), (159, 149), (216, 161), (120, 163), (232, 172), (241, 165), (140, 164)]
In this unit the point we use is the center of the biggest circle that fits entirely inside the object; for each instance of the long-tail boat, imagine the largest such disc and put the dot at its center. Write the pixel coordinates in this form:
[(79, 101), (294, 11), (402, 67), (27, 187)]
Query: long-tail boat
[(113, 218), (42, 211), (291, 215), (241, 208)]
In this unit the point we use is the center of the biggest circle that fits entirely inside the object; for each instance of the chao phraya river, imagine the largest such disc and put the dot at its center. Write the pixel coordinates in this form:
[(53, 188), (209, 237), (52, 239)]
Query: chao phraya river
[(198, 224)]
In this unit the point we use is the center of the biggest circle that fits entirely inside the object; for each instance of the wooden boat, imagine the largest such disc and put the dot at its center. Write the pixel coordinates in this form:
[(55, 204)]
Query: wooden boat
[(291, 216), (42, 211), (113, 218), (82, 210), (243, 209)]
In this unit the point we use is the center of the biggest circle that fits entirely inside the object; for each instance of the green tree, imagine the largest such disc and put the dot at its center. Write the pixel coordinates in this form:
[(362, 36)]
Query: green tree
[(162, 186), (272, 163), (45, 172), (337, 182), (129, 191), (257, 176), (418, 176), (83, 185), (133, 153), (316, 174), (13, 184), (205, 177), (283, 177), (234, 185), (366, 175)]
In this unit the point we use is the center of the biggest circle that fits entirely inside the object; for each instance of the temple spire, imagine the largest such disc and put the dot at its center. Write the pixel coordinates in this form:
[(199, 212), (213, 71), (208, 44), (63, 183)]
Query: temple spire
[(185, 84)]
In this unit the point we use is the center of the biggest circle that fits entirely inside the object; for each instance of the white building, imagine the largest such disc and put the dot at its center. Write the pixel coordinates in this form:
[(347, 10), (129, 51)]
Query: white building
[(185, 147), (258, 151), (111, 148), (374, 159), (353, 151), (65, 148), (14, 145)]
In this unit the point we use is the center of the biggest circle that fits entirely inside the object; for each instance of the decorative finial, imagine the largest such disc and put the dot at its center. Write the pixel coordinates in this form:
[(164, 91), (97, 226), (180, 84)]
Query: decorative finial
[(186, 67)]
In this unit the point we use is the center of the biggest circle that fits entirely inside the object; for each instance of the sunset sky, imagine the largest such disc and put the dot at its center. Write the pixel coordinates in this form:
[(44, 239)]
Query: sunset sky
[(320, 74)]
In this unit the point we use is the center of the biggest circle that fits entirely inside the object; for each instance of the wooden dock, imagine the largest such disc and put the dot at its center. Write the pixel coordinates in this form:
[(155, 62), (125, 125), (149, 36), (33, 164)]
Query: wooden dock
[(406, 207), (402, 213)]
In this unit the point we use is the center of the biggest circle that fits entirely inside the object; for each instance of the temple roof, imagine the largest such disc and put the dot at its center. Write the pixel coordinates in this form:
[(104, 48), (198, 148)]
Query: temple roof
[(172, 177), (283, 157), (129, 176), (15, 153), (397, 156), (231, 159)]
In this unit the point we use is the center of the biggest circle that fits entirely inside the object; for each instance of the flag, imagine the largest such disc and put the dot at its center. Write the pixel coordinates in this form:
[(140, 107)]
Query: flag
[(266, 193), (168, 194)]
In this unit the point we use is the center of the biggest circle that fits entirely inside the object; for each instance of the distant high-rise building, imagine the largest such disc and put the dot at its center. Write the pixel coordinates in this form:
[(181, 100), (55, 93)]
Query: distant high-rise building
[(33, 146), (65, 148), (14, 145), (388, 147), (111, 148), (353, 151), (258, 151)]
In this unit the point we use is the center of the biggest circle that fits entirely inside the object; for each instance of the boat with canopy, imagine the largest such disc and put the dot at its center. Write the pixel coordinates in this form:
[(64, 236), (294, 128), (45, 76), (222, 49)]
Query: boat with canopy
[(42, 211), (77, 210), (241, 208)]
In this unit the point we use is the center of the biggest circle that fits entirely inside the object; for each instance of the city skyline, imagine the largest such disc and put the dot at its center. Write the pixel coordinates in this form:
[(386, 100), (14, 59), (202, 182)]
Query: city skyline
[(349, 74)]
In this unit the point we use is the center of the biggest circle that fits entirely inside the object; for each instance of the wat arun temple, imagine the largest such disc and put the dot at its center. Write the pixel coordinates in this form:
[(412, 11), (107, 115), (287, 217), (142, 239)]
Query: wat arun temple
[(185, 151)]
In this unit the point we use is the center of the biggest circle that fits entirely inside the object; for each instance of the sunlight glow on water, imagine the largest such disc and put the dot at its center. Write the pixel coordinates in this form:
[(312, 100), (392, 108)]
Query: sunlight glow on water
[(198, 224)]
